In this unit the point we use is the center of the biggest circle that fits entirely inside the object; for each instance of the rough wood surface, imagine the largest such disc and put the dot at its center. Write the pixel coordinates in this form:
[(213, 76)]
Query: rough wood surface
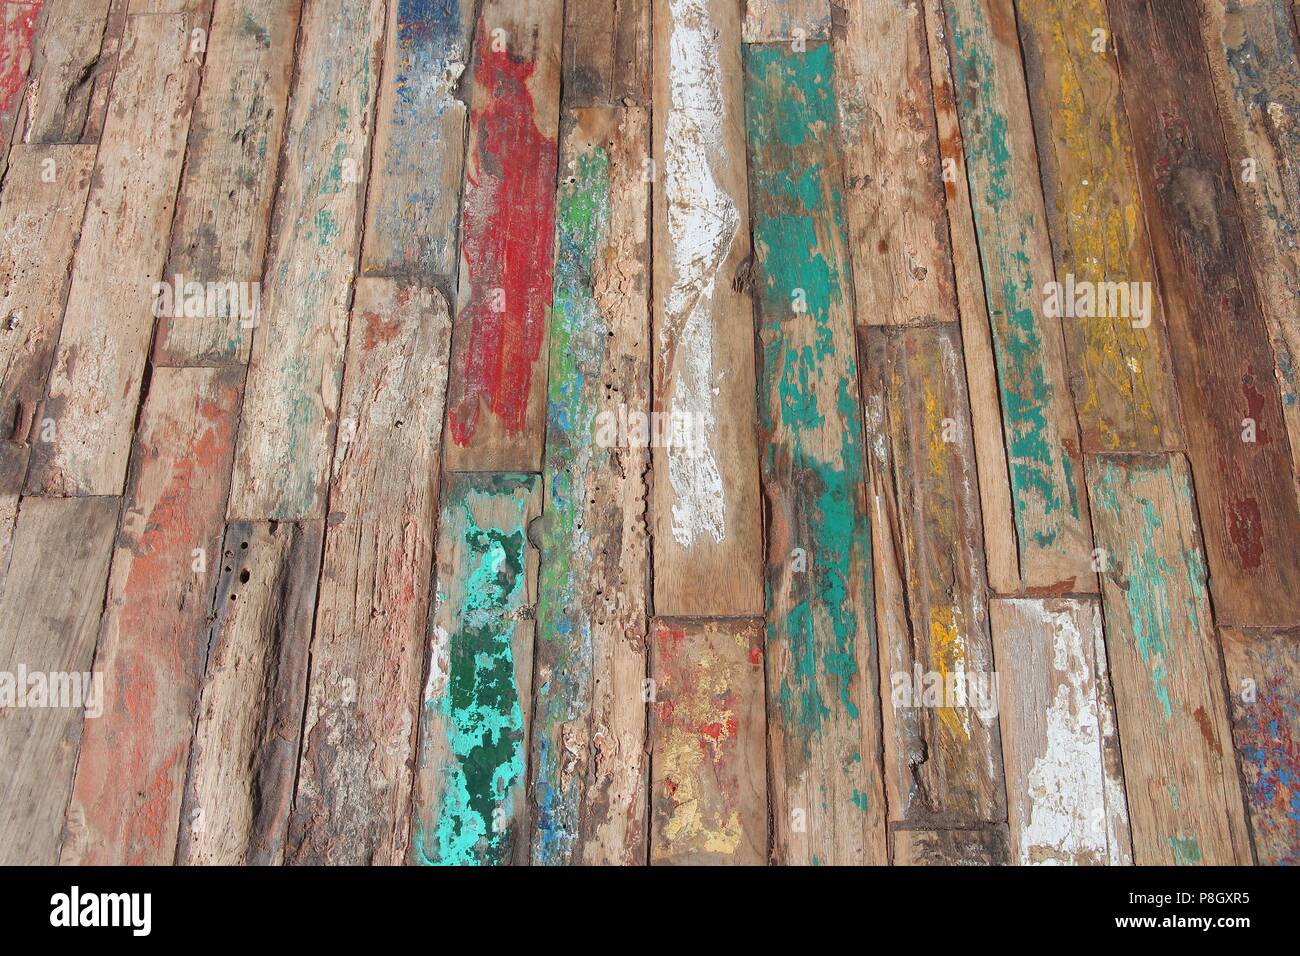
[(72, 71), (18, 21), (800, 20), (986, 847), (607, 53)]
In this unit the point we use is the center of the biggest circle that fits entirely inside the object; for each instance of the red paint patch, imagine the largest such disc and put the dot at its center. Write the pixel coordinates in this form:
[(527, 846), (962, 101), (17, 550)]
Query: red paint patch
[(1255, 411), (1245, 527), (17, 24), (377, 330)]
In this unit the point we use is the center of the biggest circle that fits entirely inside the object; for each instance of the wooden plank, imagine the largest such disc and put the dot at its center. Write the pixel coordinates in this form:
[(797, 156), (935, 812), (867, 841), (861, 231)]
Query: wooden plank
[(40, 219), (239, 789), (497, 396), (292, 394), (607, 53), (1065, 787), (828, 800), (72, 71), (414, 206), (1123, 389), (49, 616), (941, 745), (799, 20), (708, 773), (1225, 365), (353, 803), (1184, 798), (1001, 554), (99, 365), (1263, 673), (18, 20), (986, 847), (219, 232), (706, 499), (588, 735), (1041, 434), (469, 791), (8, 517), (153, 646)]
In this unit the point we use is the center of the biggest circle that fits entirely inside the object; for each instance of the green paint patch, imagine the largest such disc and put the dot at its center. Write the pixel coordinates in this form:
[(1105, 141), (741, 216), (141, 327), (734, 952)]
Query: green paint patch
[(1187, 851)]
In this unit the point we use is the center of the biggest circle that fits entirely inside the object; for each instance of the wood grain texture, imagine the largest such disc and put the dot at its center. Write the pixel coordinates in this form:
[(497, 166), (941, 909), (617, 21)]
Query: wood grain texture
[(607, 53), (73, 66), (800, 20), (1065, 786), (154, 642), (472, 767), (708, 775), (239, 789), (292, 395), (1184, 799), (706, 499), (49, 617), (18, 22), (353, 802), (99, 365), (588, 736), (496, 404), (1218, 336), (985, 847)]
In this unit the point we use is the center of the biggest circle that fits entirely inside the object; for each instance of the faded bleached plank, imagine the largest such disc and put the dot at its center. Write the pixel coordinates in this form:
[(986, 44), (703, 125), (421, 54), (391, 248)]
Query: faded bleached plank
[(497, 399), (49, 616), (799, 20), (353, 803), (1065, 789), (1224, 371), (1123, 389), (72, 71), (291, 398), (219, 233), (1184, 797), (942, 754), (18, 20), (607, 53), (709, 780), (100, 362), (469, 794), (984, 847), (588, 766), (239, 789), (827, 793), (126, 802), (1049, 504), (706, 500)]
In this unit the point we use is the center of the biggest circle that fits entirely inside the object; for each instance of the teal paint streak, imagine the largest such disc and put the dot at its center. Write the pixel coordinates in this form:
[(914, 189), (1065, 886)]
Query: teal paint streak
[(1187, 851)]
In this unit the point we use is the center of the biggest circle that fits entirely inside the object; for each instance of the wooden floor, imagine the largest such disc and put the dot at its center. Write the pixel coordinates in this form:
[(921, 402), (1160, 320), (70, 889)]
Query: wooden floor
[(650, 431)]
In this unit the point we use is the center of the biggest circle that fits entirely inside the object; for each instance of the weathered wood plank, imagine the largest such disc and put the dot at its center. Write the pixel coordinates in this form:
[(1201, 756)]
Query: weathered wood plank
[(607, 53), (294, 376), (827, 793), (18, 20), (588, 735), (353, 803), (239, 789), (1065, 787), (219, 232), (986, 847), (40, 219), (706, 498), (1123, 389), (49, 616), (1263, 676), (798, 20), (153, 645), (72, 71), (1224, 370), (709, 776), (469, 793), (942, 751), (497, 398), (1184, 799), (1041, 434)]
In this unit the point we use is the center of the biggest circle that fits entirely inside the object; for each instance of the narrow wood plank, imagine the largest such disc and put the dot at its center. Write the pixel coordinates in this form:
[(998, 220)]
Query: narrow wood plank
[(1184, 798), (353, 803), (8, 517), (49, 616), (219, 232), (497, 413), (1065, 788), (706, 499), (18, 20), (153, 646), (709, 776), (1123, 389), (40, 219), (1224, 371), (607, 53), (239, 789), (295, 373), (99, 365), (588, 734), (941, 744), (797, 20), (986, 847), (1263, 669), (1041, 434), (72, 71), (469, 793), (414, 207)]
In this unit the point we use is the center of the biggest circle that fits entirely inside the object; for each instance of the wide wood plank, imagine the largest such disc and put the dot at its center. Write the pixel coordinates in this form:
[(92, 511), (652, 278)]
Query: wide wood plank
[(353, 803), (72, 71), (607, 53), (799, 20), (983, 847), (18, 21), (709, 779)]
